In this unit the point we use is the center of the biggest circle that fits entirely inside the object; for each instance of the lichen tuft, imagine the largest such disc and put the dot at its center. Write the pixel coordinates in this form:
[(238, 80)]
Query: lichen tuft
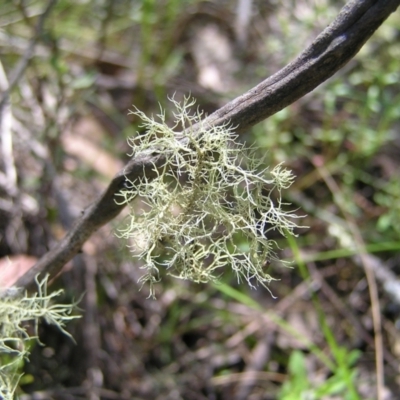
[(210, 207)]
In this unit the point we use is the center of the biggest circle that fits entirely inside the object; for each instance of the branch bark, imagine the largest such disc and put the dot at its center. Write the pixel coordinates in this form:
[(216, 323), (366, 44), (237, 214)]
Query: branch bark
[(330, 51)]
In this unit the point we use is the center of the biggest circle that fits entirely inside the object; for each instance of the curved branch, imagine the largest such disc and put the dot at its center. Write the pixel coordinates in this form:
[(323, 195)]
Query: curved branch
[(329, 52), (332, 49)]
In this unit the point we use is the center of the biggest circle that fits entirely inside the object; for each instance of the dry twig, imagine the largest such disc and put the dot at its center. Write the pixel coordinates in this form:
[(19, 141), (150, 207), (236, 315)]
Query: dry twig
[(330, 51)]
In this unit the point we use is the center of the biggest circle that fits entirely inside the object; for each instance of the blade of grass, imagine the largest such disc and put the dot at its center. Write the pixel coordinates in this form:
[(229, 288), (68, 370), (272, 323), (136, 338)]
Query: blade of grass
[(244, 299), (341, 366), (342, 253)]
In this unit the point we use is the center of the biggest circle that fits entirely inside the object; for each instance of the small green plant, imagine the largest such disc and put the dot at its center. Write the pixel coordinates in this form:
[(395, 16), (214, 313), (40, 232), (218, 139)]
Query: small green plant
[(299, 386), (15, 311), (210, 207)]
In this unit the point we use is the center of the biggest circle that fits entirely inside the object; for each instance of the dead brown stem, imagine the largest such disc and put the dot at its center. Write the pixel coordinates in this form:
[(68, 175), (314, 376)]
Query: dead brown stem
[(329, 52)]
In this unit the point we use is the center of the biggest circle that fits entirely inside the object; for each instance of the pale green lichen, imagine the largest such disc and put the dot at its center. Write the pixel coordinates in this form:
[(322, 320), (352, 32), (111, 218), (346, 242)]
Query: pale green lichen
[(210, 207), (16, 310)]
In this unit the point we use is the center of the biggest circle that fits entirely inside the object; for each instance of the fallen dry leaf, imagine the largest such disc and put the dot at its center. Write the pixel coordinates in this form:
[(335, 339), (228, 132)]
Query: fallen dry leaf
[(14, 266)]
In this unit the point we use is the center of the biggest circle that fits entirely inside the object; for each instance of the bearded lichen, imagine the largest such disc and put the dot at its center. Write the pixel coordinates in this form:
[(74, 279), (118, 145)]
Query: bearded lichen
[(211, 205), (16, 310)]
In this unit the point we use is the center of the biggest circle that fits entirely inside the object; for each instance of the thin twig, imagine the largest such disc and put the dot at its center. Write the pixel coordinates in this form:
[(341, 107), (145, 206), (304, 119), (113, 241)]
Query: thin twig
[(385, 276), (372, 286), (24, 61), (6, 122)]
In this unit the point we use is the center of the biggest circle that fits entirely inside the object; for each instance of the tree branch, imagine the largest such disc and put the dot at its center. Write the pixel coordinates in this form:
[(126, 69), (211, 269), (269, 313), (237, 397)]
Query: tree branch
[(330, 51)]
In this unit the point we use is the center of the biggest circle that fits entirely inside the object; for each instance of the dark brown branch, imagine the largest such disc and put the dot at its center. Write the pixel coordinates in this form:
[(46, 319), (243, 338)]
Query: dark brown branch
[(330, 51)]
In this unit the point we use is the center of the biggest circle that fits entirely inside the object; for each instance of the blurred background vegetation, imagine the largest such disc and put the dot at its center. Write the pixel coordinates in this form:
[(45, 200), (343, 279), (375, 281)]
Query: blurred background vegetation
[(92, 61)]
